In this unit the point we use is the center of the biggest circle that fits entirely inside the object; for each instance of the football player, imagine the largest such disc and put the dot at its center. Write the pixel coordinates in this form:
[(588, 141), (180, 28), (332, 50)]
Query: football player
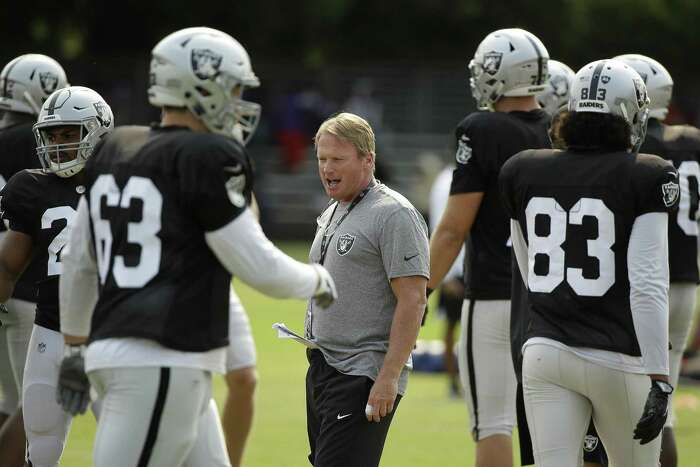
[(554, 99), (679, 144), (509, 69), (164, 223), (589, 233), (25, 83), (39, 205)]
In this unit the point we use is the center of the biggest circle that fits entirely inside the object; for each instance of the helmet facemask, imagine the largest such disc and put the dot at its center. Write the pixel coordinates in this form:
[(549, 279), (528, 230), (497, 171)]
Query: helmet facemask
[(68, 158), (222, 110)]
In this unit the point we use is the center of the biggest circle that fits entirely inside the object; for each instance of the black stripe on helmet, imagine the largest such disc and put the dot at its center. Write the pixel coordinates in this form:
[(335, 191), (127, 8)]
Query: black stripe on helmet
[(540, 59), (593, 90)]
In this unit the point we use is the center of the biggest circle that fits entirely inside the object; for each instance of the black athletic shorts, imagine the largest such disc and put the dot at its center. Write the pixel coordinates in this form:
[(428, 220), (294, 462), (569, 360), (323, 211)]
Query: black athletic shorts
[(339, 433)]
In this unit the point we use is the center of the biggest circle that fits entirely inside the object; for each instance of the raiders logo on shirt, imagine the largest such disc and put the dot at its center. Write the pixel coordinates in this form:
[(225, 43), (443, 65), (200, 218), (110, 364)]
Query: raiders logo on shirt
[(464, 151), (670, 190), (344, 244), (590, 442)]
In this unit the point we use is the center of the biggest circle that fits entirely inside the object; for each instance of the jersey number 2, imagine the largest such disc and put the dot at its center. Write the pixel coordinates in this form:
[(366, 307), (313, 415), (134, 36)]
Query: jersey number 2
[(142, 233), (550, 245)]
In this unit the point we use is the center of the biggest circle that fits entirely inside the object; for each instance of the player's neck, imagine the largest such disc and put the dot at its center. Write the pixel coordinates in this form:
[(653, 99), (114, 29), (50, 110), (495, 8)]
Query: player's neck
[(519, 103), (183, 117)]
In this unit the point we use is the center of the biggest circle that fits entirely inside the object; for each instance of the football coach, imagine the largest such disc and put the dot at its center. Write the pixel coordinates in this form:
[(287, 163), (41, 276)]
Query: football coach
[(374, 243)]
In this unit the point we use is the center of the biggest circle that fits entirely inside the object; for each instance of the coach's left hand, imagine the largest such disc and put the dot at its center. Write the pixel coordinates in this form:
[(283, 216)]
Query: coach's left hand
[(381, 397), (73, 389)]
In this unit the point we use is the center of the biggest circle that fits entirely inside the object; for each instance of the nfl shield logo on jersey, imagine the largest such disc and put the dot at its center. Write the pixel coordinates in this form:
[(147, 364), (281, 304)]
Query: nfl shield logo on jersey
[(590, 442), (205, 63), (344, 244), (492, 62), (464, 151), (671, 191)]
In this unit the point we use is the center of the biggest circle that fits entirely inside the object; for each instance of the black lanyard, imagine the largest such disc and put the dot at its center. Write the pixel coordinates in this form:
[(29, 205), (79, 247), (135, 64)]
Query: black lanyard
[(326, 239)]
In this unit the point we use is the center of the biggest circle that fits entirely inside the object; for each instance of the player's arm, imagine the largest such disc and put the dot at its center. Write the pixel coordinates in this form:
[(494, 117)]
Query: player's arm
[(454, 226), (474, 155), (78, 290), (15, 255), (647, 263), (410, 304), (242, 247)]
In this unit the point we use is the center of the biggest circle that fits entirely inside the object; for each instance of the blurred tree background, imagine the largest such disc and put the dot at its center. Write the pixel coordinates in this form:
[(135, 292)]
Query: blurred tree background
[(405, 61), (86, 35)]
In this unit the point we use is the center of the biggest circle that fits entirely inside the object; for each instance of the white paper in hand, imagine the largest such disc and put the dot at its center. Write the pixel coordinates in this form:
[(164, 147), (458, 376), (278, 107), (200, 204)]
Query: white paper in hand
[(283, 332)]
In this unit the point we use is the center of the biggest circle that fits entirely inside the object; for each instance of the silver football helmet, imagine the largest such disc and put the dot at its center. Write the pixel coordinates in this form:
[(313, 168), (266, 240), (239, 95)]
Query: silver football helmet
[(657, 79), (556, 91), (27, 81), (79, 112), (206, 71), (612, 87), (508, 62)]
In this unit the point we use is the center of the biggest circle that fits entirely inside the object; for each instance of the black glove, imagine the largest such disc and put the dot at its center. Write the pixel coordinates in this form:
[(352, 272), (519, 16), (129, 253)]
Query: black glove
[(73, 389), (655, 412)]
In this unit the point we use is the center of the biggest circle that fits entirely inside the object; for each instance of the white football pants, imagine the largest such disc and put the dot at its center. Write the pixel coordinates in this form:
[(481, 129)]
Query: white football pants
[(152, 417), (14, 339), (562, 391), (681, 306), (486, 367)]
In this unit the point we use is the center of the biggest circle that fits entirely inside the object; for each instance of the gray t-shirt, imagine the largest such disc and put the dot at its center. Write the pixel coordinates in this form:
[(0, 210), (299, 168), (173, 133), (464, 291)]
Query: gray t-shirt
[(382, 238)]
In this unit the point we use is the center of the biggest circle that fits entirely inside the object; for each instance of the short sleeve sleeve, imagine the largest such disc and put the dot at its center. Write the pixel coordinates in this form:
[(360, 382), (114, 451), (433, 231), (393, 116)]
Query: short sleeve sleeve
[(216, 184), (474, 153), (17, 202), (662, 192), (404, 244)]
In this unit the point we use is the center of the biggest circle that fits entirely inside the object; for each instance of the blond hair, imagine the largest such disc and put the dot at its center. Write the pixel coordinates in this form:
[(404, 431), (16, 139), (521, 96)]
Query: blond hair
[(351, 128)]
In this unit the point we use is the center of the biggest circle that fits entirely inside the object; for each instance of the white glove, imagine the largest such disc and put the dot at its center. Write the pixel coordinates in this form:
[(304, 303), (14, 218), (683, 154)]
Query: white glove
[(325, 293)]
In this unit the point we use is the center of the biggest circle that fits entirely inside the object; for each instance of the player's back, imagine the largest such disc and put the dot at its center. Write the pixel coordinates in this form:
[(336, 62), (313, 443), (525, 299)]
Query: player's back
[(680, 144), (577, 210), (153, 193), (485, 141)]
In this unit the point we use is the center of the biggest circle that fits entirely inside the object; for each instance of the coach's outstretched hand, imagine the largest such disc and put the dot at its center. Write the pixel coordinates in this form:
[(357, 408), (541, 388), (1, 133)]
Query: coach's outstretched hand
[(325, 293), (655, 412), (73, 390)]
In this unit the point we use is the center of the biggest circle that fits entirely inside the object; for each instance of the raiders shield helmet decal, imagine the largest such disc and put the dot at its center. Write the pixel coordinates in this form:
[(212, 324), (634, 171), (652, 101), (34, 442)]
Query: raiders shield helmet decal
[(205, 63), (492, 62), (344, 244), (48, 81), (102, 116)]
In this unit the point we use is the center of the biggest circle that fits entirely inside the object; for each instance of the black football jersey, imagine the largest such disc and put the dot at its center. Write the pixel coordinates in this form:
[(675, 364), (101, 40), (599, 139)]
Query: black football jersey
[(153, 194), (485, 141), (576, 210), (18, 152), (680, 144), (42, 205)]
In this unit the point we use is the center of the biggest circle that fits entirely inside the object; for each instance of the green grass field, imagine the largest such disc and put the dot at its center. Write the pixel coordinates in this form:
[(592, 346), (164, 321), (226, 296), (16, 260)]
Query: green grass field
[(429, 428)]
